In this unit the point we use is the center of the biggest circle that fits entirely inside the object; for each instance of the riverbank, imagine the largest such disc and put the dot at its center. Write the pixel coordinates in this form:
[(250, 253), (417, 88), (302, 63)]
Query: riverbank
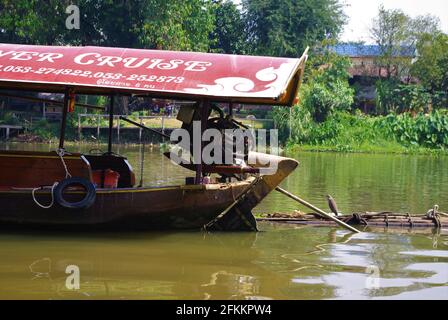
[(391, 148), (360, 133)]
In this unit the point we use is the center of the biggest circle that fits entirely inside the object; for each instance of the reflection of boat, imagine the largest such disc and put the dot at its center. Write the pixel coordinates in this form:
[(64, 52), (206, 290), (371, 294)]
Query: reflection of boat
[(151, 266), (99, 190)]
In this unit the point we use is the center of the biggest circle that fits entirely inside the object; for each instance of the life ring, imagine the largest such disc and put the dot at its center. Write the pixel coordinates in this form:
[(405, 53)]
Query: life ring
[(85, 203)]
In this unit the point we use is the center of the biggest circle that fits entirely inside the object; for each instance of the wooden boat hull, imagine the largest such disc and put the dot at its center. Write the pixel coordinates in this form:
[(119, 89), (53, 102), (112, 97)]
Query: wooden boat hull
[(179, 207), (176, 207)]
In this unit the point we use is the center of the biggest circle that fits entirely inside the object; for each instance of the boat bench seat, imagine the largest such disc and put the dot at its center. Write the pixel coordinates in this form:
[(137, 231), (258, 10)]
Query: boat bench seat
[(29, 169), (115, 163)]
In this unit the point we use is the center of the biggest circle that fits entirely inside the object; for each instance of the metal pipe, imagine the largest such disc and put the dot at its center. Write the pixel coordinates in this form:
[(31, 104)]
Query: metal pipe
[(111, 123)]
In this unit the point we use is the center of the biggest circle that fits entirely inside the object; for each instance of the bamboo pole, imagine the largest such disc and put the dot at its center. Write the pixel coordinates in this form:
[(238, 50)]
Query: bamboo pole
[(144, 127), (316, 209)]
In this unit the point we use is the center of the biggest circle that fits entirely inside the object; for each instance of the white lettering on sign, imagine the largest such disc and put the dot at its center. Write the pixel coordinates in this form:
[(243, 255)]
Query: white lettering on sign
[(96, 59), (129, 61), (50, 56), (197, 65), (79, 58), (4, 54), (23, 55), (109, 60), (173, 64), (28, 55)]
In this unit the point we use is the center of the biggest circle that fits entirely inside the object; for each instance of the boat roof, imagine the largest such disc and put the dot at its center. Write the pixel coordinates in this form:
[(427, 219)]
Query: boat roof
[(157, 73)]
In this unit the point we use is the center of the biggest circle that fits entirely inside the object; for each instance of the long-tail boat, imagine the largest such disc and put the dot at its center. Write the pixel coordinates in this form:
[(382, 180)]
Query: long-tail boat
[(66, 189)]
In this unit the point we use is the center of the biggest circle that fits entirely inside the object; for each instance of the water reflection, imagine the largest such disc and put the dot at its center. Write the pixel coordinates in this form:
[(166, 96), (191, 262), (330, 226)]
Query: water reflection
[(281, 262)]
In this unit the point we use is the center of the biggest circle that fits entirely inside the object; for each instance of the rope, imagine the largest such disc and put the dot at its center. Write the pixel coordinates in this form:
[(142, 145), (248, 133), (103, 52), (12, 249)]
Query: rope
[(359, 219), (240, 197), (52, 196), (61, 153)]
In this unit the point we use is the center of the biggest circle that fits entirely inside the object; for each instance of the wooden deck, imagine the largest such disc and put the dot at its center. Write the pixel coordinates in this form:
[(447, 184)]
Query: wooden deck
[(8, 129)]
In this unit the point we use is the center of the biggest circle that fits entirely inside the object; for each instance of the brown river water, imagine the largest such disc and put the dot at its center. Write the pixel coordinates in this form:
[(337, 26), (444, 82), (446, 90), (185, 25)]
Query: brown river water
[(279, 262)]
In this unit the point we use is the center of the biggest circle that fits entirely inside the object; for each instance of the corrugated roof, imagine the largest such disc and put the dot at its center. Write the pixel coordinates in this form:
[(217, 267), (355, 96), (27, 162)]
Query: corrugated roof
[(362, 50)]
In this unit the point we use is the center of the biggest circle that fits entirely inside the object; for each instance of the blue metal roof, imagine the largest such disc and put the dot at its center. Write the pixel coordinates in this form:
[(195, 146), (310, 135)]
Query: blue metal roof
[(362, 50)]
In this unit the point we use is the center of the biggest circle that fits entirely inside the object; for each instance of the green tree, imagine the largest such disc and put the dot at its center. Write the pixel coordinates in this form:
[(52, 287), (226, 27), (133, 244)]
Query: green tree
[(111, 23), (396, 34), (325, 92), (102, 22), (286, 28), (177, 25), (229, 35), (162, 24), (431, 67), (327, 88), (32, 21)]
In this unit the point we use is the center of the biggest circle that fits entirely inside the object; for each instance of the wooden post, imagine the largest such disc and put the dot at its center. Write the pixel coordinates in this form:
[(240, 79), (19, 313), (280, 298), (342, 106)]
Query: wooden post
[(118, 130), (111, 123), (79, 127), (163, 124), (7, 133), (140, 130), (64, 118), (204, 109)]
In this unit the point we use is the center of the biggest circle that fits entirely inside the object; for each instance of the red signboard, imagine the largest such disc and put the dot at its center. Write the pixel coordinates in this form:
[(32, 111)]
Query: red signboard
[(182, 73)]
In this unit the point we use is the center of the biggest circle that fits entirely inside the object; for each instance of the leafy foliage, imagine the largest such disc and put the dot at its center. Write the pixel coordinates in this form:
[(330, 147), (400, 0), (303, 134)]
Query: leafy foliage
[(393, 96), (352, 132), (177, 25), (327, 87), (173, 24), (431, 67), (396, 35), (229, 34), (286, 28), (428, 130), (325, 92)]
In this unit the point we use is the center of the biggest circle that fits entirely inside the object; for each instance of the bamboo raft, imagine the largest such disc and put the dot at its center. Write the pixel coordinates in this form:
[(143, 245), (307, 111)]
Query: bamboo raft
[(373, 219)]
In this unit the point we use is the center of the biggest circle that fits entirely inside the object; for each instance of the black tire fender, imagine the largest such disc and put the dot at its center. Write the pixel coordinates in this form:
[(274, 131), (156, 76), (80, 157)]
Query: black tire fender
[(85, 203)]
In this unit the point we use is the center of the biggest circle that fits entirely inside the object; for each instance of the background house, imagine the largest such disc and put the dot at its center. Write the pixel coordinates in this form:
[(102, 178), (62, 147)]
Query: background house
[(366, 69)]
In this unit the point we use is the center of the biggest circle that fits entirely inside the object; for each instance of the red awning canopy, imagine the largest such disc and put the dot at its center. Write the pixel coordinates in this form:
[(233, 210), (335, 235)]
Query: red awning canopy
[(191, 75)]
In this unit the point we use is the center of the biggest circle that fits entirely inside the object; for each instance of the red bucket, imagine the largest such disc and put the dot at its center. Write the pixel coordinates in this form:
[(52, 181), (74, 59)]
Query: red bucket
[(106, 178)]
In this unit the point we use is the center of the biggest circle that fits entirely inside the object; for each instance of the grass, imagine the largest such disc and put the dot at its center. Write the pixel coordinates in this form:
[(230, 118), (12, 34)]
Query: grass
[(389, 147), (344, 132)]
